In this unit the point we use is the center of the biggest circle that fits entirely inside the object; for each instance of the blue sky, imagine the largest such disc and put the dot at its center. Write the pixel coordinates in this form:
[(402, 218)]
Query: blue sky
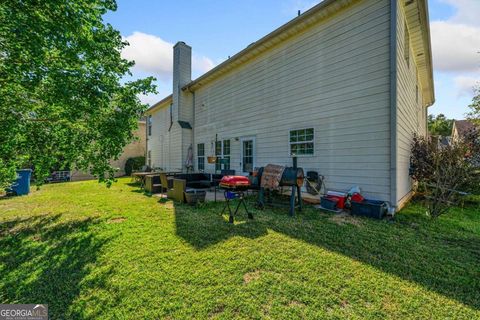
[(216, 29)]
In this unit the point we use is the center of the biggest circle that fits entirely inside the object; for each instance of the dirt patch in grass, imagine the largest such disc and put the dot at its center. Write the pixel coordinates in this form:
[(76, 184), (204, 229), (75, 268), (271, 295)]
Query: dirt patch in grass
[(216, 312), (344, 218), (344, 304), (296, 304), (251, 276), (116, 220)]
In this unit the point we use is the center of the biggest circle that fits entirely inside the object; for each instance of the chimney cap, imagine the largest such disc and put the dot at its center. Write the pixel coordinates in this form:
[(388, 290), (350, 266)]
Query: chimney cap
[(181, 43)]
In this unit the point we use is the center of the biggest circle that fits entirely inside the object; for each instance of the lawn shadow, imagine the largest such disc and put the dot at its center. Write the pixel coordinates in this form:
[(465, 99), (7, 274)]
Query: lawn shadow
[(142, 192), (49, 261), (415, 249), (204, 225), (134, 184)]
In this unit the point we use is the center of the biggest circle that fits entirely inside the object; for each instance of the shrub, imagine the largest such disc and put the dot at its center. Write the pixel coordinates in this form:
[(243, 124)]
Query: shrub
[(135, 163), (445, 173)]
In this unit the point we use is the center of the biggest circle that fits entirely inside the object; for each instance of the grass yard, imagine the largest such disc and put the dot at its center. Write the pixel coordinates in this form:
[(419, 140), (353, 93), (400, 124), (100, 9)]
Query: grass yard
[(95, 253)]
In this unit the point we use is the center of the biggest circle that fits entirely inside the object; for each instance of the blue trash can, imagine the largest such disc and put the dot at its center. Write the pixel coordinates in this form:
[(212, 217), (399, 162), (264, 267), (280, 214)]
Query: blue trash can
[(22, 185)]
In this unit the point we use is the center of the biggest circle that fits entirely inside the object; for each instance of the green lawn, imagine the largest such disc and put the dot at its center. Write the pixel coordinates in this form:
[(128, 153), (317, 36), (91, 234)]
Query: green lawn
[(92, 252)]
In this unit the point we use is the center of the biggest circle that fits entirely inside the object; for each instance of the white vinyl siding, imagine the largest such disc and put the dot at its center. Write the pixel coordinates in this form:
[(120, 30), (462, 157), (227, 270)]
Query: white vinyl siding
[(166, 141), (334, 78), (411, 115)]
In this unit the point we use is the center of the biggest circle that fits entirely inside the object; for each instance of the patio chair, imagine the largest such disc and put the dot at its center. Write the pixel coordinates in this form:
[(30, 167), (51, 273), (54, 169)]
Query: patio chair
[(177, 193), (166, 183), (153, 184)]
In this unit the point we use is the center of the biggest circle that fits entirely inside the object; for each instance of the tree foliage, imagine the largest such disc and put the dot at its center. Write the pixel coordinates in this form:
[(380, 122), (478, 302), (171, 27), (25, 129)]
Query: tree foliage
[(445, 173), (63, 93), (439, 125), (474, 114), (133, 164)]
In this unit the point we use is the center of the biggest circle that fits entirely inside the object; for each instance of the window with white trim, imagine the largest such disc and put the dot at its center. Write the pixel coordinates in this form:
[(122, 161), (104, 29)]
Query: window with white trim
[(201, 157), (302, 142), (149, 125), (222, 151)]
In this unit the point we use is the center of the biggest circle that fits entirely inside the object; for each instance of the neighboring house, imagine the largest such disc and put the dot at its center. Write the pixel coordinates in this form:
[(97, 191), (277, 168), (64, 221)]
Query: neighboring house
[(444, 141), (461, 128), (134, 149), (343, 87)]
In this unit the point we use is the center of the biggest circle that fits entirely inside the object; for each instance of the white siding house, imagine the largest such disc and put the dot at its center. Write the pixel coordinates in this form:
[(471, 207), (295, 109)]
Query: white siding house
[(338, 86)]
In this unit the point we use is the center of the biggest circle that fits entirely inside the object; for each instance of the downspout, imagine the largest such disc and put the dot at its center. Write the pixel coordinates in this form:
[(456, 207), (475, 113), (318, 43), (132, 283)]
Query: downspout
[(393, 103), (194, 148), (146, 141)]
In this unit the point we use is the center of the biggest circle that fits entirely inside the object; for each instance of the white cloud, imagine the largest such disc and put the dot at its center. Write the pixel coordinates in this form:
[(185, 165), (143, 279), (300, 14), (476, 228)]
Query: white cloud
[(150, 53), (202, 64), (465, 85), (455, 46), (154, 55), (467, 11), (150, 99)]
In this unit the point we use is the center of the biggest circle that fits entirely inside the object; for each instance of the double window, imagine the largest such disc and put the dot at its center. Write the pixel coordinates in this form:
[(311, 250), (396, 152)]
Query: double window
[(222, 151), (302, 142), (201, 157), (149, 125)]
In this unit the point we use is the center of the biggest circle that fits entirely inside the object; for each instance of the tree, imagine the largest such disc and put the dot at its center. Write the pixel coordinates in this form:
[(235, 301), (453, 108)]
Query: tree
[(445, 173), (474, 114), (63, 93), (439, 125)]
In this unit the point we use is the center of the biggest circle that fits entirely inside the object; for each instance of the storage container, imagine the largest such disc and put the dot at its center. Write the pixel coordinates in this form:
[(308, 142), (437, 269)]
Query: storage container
[(369, 208), (329, 203), (195, 196), (21, 186)]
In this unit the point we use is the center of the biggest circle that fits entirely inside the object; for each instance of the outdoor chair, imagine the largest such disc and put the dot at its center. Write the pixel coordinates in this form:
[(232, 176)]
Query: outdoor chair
[(166, 183), (153, 183), (177, 193)]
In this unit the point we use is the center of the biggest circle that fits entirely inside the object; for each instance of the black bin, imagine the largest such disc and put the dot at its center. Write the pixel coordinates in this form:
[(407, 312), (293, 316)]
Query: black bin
[(328, 203), (369, 208)]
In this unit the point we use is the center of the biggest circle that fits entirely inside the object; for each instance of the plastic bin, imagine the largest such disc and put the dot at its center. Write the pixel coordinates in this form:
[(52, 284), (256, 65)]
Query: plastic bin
[(22, 185), (369, 208), (329, 203), (195, 196)]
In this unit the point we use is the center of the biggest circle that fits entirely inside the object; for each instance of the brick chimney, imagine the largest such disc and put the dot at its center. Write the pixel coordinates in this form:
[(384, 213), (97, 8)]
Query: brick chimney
[(182, 101), (182, 75)]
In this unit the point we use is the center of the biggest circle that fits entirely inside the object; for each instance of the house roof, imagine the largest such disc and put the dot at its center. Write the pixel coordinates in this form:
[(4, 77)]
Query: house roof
[(417, 17), (162, 103), (463, 127), (416, 14)]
